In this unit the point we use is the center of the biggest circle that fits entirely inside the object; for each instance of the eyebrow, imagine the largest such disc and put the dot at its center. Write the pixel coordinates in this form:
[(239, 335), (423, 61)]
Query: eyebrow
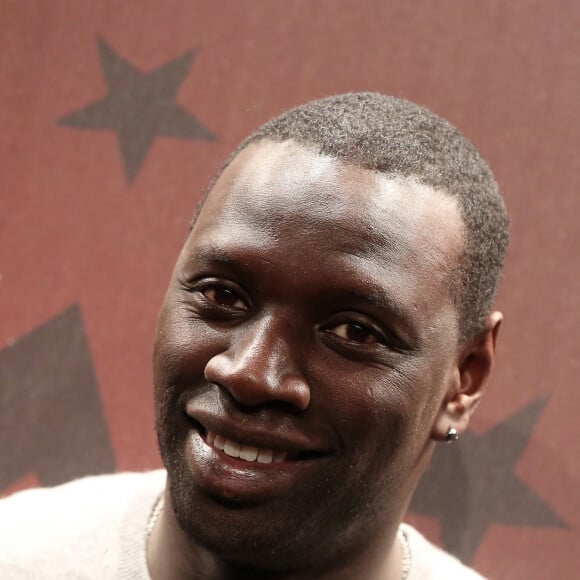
[(216, 256), (372, 293), (377, 298), (213, 254)]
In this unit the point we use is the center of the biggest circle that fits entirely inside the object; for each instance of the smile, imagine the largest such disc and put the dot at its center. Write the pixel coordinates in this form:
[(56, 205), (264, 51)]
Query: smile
[(245, 452), (237, 461)]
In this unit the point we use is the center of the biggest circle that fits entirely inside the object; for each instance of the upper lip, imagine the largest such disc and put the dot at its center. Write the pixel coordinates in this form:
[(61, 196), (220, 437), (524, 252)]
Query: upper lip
[(278, 436)]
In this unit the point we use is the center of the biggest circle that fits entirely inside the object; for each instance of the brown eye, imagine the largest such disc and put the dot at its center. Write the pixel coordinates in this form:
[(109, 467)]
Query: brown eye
[(355, 332), (222, 296)]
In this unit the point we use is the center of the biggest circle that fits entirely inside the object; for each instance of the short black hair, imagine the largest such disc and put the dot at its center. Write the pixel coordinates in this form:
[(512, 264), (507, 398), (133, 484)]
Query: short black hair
[(402, 139)]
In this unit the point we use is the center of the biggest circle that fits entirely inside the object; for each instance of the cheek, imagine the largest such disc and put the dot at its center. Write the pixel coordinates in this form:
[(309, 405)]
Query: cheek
[(371, 406), (384, 411), (183, 345)]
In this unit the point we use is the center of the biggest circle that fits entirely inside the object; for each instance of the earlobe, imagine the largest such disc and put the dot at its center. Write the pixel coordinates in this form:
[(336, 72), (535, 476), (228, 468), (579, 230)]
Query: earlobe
[(468, 381)]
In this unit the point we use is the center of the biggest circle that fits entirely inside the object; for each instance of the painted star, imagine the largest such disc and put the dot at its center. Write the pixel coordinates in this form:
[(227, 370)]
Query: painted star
[(473, 484), (139, 107), (52, 405)]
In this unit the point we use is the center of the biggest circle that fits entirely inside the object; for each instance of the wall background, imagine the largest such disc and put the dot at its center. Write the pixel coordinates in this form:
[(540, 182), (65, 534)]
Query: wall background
[(95, 201)]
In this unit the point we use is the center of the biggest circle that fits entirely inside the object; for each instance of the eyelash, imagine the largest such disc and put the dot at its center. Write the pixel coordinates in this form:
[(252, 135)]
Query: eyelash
[(359, 326), (223, 303), (381, 339), (201, 290)]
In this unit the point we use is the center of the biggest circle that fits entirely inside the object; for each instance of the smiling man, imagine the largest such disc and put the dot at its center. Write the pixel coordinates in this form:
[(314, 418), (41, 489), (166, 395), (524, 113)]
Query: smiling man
[(328, 322)]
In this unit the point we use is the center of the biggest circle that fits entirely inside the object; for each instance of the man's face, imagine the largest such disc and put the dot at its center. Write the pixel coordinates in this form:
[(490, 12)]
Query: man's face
[(309, 327)]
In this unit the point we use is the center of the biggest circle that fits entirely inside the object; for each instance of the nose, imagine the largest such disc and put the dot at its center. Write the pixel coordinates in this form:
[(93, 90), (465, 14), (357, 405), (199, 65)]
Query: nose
[(261, 365)]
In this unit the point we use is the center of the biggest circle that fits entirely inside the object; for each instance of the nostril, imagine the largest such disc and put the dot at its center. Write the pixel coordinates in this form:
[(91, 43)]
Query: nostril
[(257, 374)]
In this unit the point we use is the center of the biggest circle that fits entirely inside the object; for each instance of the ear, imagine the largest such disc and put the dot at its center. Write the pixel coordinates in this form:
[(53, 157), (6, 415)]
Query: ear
[(466, 388)]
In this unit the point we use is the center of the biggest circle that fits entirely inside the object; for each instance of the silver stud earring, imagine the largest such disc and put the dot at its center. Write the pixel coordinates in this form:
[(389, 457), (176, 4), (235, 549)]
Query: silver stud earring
[(451, 436)]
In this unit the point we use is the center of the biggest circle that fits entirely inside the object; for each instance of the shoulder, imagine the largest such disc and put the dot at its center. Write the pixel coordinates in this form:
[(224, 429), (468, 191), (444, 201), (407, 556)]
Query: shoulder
[(77, 522), (428, 562)]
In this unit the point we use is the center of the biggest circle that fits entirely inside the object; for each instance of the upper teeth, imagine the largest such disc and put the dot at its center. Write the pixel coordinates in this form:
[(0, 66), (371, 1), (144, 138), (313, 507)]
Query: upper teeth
[(245, 452)]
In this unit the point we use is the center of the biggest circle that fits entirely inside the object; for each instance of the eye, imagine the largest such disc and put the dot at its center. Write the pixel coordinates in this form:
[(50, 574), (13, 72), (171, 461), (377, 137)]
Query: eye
[(220, 295), (356, 332)]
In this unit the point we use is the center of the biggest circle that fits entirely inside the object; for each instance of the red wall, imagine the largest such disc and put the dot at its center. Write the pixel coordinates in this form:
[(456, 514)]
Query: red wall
[(85, 252)]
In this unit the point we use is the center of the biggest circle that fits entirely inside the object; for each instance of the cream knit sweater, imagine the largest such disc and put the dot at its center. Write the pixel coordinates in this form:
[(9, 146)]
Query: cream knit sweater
[(94, 529)]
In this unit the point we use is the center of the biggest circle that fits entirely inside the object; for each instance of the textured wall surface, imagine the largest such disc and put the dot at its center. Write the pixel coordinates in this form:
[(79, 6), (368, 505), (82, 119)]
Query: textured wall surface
[(113, 116)]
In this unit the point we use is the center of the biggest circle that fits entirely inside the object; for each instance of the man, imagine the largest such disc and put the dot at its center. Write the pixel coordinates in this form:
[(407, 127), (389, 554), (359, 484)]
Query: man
[(329, 320)]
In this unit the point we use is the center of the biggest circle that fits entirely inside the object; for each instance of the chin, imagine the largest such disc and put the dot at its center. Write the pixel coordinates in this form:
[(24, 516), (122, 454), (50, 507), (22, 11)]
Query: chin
[(265, 538), (242, 535)]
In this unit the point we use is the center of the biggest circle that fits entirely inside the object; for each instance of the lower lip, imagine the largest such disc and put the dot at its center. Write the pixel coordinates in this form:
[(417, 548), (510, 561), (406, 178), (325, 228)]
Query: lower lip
[(236, 480)]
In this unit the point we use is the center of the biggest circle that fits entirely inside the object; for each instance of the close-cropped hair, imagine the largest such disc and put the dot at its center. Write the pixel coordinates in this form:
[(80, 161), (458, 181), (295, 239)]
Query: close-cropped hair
[(404, 140)]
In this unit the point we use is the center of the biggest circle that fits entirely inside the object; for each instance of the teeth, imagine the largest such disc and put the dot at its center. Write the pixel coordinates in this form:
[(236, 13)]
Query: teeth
[(232, 448), (249, 453), (265, 456), (219, 442), (245, 452)]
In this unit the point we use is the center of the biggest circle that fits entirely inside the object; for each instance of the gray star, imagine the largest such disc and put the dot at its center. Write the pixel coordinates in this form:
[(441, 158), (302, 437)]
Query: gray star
[(139, 107), (473, 484), (52, 421)]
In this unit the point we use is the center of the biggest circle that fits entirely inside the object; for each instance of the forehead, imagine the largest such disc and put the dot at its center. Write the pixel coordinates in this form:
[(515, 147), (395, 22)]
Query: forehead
[(289, 199), (288, 186)]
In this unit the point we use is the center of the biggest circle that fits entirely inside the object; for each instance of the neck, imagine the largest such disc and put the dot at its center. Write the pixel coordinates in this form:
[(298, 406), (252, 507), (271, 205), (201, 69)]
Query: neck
[(171, 555)]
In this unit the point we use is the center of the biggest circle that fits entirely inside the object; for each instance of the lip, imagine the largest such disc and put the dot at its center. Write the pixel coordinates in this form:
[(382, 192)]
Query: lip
[(232, 481), (278, 437), (237, 481)]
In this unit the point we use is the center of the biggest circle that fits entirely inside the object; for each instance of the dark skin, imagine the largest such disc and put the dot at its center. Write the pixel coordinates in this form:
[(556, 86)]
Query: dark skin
[(309, 317)]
